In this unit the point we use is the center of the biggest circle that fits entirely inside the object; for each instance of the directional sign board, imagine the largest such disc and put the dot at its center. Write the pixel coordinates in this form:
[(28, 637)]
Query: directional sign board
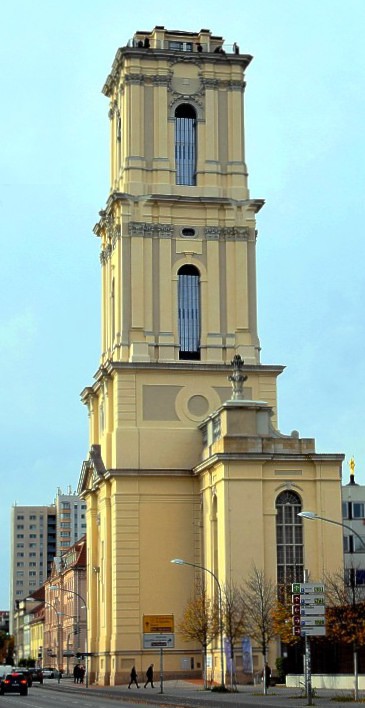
[(308, 609), (157, 640), (311, 600), (306, 588), (312, 622), (312, 632), (158, 623)]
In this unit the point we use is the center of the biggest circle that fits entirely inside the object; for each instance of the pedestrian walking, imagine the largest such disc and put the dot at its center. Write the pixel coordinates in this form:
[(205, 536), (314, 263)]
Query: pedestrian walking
[(76, 673), (82, 673), (149, 676), (134, 677)]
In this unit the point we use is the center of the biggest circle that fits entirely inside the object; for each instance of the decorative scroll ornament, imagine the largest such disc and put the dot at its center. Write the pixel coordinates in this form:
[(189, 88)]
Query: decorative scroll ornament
[(237, 378)]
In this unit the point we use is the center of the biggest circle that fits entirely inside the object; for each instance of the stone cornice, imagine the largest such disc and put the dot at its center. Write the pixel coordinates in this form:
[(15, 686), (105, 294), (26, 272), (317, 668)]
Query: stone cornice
[(147, 473), (262, 369), (109, 367), (224, 458), (171, 57)]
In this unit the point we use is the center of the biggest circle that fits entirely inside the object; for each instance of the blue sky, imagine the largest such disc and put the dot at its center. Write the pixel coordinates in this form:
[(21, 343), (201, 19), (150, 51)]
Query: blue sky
[(305, 145)]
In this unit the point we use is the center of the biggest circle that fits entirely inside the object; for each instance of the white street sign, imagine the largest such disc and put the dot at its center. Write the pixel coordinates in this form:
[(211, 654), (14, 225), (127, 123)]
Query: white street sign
[(312, 622), (153, 641), (306, 588), (314, 610), (313, 631), (312, 600)]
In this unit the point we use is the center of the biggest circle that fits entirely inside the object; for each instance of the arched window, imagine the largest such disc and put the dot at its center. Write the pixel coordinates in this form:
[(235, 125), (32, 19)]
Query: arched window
[(189, 312), (185, 144), (289, 540)]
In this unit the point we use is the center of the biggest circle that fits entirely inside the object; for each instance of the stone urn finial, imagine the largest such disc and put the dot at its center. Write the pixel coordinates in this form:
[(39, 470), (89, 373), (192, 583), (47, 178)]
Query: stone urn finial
[(237, 378)]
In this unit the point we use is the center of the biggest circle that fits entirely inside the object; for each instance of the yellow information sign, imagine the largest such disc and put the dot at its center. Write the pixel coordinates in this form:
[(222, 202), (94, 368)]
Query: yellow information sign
[(158, 624)]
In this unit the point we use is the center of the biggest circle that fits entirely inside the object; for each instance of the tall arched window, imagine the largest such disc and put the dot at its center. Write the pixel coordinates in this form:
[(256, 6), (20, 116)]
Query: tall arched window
[(289, 540), (185, 144), (189, 312)]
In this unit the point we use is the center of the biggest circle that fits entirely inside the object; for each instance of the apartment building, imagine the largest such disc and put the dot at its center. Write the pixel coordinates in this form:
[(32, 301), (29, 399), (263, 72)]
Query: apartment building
[(71, 519), (33, 547), (353, 515), (39, 534)]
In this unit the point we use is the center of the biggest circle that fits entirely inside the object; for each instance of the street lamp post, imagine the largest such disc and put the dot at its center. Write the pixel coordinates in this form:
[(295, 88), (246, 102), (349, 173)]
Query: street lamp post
[(59, 630), (313, 516), (179, 561), (73, 592)]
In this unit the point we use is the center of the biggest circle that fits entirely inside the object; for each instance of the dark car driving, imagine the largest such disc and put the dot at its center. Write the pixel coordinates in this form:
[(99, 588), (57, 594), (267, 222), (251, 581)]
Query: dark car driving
[(27, 673), (15, 682), (36, 674)]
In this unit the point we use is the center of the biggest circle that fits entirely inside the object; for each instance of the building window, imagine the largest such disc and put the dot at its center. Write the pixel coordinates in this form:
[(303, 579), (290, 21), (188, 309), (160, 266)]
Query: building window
[(32, 526), (20, 527), (32, 517), (354, 576), (358, 510), (358, 545), (289, 540), (32, 535), (189, 312), (181, 46), (20, 535), (185, 144)]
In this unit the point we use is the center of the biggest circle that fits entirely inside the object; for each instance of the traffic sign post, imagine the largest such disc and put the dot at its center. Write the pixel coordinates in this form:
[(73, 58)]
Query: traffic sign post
[(308, 609)]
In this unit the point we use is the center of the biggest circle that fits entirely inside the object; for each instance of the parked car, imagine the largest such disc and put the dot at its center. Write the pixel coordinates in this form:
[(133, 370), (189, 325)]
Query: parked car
[(49, 672), (15, 682), (37, 675)]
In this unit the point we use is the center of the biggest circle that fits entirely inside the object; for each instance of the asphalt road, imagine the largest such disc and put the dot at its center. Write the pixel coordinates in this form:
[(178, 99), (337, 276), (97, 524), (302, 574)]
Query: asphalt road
[(180, 694)]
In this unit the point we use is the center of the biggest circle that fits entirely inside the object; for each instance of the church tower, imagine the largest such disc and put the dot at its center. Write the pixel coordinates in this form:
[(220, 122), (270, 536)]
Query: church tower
[(173, 461)]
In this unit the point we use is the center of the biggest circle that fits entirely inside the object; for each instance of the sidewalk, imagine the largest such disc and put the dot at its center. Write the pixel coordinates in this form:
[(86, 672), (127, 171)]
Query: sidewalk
[(190, 694)]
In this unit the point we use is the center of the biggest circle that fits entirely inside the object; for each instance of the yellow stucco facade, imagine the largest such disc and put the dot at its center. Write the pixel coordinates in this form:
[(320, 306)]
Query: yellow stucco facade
[(176, 467)]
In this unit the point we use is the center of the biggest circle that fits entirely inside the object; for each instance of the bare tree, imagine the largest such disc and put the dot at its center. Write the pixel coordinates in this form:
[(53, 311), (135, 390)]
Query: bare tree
[(259, 597), (200, 622), (233, 618)]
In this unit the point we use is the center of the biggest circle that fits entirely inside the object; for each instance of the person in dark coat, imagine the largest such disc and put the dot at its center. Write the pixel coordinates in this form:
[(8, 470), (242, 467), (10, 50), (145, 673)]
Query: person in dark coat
[(134, 677), (82, 673), (149, 676), (76, 673)]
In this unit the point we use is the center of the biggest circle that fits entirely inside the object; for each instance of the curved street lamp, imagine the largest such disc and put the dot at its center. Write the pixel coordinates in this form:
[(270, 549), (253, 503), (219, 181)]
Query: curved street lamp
[(73, 592), (59, 628), (313, 516), (179, 561)]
